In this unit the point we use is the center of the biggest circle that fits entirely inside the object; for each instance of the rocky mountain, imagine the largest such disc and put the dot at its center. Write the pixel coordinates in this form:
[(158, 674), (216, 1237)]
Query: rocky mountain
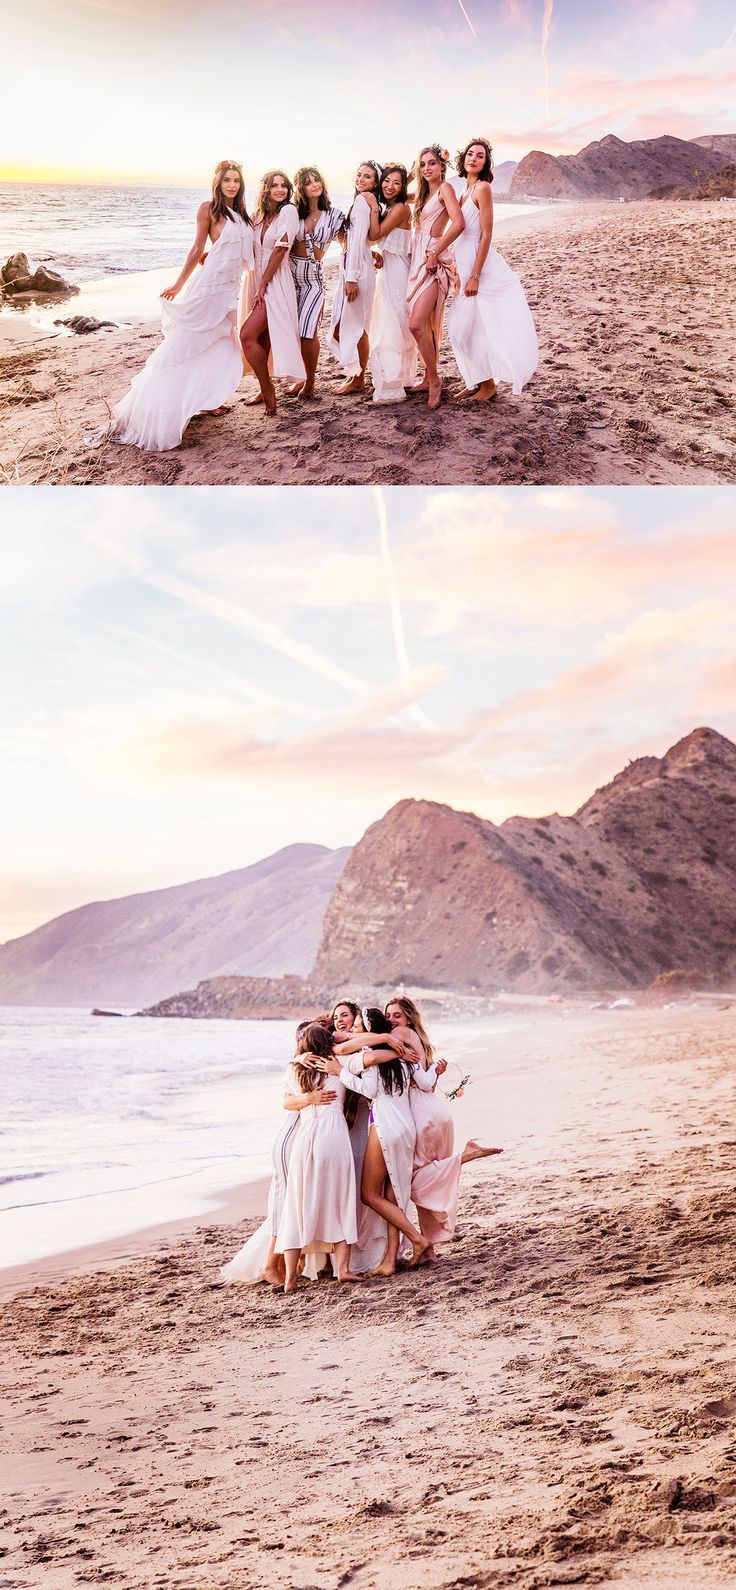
[(502, 176), (265, 919), (612, 169), (723, 144), (642, 879)]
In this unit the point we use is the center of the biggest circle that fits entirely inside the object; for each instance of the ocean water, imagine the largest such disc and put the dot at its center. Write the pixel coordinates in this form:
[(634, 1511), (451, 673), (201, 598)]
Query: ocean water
[(108, 1125), (120, 245)]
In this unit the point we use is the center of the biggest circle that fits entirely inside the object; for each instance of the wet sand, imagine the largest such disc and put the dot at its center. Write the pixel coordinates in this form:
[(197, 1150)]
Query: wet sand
[(554, 1403), (637, 330)]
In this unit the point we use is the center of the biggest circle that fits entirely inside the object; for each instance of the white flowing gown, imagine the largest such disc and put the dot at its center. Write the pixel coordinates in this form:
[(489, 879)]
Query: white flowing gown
[(394, 359), (493, 335), (199, 364), (282, 310), (319, 1208), (351, 320)]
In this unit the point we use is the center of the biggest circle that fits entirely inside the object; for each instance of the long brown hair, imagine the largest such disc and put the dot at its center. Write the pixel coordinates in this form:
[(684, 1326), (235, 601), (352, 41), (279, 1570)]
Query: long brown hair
[(314, 1039), (422, 184), (414, 1020), (486, 175), (220, 207), (304, 175), (260, 211)]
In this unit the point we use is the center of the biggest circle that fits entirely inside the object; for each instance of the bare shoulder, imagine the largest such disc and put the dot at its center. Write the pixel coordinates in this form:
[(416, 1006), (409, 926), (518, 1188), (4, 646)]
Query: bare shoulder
[(204, 211)]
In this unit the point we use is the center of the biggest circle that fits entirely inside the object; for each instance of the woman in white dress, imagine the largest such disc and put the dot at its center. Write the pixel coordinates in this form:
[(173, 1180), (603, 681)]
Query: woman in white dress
[(270, 322), (356, 285), (438, 221), (320, 223), (198, 366), (389, 1155), (256, 1260), (393, 356), (490, 324), (319, 1208)]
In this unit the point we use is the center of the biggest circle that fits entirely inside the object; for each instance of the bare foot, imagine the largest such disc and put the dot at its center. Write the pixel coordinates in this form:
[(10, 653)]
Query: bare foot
[(355, 384), (347, 1275), (435, 395), (296, 389), (429, 1256), (215, 413), (270, 399), (384, 1268), (467, 392), (485, 392), (418, 1250), (291, 1286), (272, 1275), (251, 402), (422, 387), (473, 1150)]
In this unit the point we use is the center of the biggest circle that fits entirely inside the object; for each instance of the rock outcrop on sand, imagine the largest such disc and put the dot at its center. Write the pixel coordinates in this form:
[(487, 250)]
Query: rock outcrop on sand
[(613, 169), (83, 325), (263, 919), (18, 279), (639, 881)]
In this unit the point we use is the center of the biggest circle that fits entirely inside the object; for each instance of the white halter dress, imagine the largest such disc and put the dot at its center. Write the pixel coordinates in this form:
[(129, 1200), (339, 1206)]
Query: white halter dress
[(492, 335), (351, 320)]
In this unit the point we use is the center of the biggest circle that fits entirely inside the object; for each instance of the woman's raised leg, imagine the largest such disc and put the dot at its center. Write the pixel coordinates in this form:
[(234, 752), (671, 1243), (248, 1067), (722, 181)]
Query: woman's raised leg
[(371, 1191)]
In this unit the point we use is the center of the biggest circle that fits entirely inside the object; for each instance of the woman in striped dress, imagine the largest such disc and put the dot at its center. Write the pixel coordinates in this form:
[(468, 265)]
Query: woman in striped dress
[(320, 223)]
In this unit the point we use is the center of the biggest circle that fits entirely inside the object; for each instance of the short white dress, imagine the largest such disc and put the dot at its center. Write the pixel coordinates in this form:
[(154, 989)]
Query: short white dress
[(493, 335), (282, 312), (319, 1207), (199, 364), (351, 320), (394, 361)]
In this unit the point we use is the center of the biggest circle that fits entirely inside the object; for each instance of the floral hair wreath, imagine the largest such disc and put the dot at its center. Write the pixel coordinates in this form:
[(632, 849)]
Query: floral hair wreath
[(442, 154), (226, 165)]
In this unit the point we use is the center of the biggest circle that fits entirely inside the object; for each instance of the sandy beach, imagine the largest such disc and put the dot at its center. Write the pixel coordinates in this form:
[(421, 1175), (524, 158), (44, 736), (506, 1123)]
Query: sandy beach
[(553, 1404), (637, 332)]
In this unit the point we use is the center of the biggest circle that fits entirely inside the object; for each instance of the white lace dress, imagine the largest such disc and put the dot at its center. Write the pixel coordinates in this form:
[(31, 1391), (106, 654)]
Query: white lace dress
[(199, 364)]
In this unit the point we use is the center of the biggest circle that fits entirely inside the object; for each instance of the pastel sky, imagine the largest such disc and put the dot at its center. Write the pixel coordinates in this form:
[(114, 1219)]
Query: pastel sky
[(192, 679), (159, 90)]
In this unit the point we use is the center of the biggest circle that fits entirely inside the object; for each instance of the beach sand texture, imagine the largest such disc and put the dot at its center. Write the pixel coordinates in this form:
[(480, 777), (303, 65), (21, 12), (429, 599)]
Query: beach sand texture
[(554, 1404), (635, 310)]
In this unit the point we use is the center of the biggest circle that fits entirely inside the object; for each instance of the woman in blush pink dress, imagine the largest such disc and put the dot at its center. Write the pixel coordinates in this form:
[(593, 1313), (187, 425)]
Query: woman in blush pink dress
[(319, 1209), (437, 1166), (270, 330), (438, 221)]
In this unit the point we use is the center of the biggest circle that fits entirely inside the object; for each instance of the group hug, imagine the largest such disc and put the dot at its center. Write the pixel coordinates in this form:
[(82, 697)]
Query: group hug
[(367, 1141), (255, 295)]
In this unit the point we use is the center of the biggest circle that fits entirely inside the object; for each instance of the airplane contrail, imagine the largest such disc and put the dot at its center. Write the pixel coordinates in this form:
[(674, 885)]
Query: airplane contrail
[(549, 9), (730, 39), (467, 18), (397, 622)]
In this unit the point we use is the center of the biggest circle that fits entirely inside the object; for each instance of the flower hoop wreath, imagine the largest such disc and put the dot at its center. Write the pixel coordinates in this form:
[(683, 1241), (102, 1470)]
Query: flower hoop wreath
[(458, 1090)]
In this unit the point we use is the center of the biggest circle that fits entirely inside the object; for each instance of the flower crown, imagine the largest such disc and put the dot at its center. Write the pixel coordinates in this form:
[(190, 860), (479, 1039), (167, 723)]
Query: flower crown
[(224, 165), (442, 154)]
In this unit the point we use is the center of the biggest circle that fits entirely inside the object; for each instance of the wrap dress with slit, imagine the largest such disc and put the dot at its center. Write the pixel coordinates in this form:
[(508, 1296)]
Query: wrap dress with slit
[(419, 277), (282, 314), (436, 1170)]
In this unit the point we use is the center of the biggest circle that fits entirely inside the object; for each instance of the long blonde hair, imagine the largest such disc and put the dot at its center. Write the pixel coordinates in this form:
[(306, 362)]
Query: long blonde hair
[(314, 1039), (423, 189), (414, 1020)]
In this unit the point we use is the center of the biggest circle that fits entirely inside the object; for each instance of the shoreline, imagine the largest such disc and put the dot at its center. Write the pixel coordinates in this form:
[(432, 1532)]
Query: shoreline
[(553, 1403), (228, 1206), (632, 387)]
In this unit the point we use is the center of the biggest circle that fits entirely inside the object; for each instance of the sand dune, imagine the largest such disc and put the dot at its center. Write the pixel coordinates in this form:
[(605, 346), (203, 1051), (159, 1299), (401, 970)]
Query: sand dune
[(637, 329), (555, 1404)]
